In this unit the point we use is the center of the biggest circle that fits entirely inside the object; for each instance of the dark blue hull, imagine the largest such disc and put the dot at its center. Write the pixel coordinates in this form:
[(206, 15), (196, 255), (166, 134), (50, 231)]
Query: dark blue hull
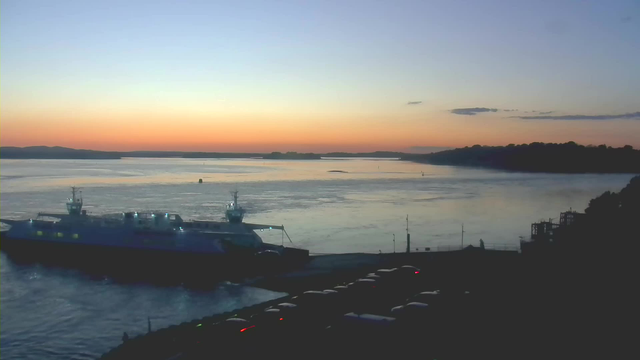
[(152, 264)]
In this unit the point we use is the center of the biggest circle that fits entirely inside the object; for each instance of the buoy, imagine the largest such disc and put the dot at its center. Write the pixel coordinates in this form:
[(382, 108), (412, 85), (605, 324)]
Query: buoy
[(200, 181)]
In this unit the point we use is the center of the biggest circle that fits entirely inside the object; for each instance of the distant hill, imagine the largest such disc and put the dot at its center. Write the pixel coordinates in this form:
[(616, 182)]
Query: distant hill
[(55, 152), (540, 157), (375, 154), (427, 149), (152, 154), (292, 156), (216, 155)]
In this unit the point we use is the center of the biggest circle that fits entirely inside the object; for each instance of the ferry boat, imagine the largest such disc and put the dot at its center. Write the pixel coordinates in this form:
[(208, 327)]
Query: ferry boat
[(141, 236)]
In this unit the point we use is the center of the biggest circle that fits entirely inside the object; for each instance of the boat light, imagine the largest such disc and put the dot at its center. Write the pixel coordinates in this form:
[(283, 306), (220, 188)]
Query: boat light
[(180, 228), (153, 215), (270, 228)]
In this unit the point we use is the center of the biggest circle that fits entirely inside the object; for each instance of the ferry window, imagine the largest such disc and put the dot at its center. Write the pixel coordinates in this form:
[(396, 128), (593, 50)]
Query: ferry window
[(60, 234), (39, 233), (75, 236)]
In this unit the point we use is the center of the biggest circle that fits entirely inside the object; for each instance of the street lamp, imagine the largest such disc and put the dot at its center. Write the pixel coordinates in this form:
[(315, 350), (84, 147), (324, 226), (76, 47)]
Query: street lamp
[(394, 243)]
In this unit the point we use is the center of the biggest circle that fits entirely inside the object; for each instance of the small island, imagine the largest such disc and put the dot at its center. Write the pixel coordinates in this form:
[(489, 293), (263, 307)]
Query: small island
[(338, 171)]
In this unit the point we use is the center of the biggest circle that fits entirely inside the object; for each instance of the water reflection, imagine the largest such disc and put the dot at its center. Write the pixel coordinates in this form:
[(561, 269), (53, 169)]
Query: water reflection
[(356, 210)]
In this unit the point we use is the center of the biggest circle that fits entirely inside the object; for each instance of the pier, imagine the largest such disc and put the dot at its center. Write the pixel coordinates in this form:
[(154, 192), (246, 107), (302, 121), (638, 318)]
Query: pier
[(487, 275)]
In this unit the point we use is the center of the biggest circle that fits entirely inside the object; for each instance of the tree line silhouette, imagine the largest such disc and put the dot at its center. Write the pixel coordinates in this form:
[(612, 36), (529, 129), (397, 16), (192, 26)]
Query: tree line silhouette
[(540, 157)]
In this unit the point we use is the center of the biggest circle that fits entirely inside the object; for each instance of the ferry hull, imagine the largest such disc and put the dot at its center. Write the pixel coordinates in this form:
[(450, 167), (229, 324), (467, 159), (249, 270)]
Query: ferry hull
[(137, 263)]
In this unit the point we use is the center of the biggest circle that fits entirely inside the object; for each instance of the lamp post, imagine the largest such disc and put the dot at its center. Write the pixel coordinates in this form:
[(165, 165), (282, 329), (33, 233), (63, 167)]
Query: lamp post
[(394, 243)]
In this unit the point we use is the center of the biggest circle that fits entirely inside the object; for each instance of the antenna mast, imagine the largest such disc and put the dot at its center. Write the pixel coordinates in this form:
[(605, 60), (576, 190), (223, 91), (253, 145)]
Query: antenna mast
[(407, 223), (74, 205)]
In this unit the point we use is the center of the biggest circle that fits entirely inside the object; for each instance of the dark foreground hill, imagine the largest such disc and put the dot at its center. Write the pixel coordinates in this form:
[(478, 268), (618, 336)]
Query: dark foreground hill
[(540, 157)]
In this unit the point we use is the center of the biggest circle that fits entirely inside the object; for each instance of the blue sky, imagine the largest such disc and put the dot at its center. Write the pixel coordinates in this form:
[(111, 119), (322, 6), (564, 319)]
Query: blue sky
[(297, 64)]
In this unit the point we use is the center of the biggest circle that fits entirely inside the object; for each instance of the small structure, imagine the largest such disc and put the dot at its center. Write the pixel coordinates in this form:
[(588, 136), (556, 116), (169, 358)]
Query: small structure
[(546, 233), (570, 217), (200, 181), (543, 230)]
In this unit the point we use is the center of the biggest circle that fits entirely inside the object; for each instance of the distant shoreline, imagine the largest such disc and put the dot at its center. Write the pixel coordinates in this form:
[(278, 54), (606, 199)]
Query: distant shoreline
[(61, 153), (568, 158)]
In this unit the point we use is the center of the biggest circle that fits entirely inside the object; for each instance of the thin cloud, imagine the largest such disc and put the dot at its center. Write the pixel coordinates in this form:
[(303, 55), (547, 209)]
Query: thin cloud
[(545, 112), (634, 115), (414, 103), (507, 110), (471, 111), (626, 19)]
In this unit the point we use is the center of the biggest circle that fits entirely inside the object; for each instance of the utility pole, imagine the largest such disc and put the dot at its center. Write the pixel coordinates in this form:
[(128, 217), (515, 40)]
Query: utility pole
[(394, 243), (407, 223), (462, 239), (408, 236)]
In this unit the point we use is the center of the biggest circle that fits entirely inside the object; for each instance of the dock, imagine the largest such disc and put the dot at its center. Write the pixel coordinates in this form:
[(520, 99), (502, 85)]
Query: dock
[(485, 274)]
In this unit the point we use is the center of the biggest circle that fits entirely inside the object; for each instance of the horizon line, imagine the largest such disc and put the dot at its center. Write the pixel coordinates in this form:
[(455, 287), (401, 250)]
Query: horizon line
[(405, 151)]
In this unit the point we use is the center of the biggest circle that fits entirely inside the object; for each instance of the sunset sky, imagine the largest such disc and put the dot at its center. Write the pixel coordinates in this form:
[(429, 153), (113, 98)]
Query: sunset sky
[(317, 75)]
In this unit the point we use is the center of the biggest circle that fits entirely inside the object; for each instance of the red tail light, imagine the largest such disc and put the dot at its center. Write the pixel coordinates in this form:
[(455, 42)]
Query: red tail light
[(417, 272), (245, 329), (281, 319)]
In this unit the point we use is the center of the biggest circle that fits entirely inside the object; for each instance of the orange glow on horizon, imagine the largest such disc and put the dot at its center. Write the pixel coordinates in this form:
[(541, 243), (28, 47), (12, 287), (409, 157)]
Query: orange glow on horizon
[(265, 132)]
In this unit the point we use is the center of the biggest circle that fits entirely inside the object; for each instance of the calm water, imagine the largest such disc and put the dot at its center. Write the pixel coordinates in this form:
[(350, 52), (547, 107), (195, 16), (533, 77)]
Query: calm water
[(60, 313)]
